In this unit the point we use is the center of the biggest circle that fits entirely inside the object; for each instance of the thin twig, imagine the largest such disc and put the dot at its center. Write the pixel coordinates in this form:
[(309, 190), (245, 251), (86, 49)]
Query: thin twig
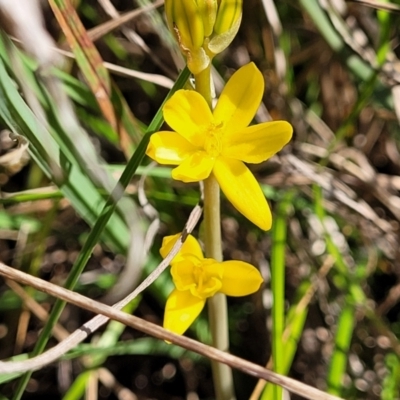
[(106, 27), (378, 5), (91, 326), (104, 375), (108, 312), (128, 278), (133, 37), (59, 332)]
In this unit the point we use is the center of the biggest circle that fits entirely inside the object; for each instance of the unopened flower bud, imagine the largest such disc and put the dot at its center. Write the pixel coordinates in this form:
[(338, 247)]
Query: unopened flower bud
[(208, 9), (203, 28), (185, 21), (229, 14)]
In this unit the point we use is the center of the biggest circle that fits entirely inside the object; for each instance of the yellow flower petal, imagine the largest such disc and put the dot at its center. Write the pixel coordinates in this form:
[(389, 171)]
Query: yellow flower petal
[(190, 246), (181, 310), (194, 168), (257, 143), (240, 279), (169, 148), (240, 98), (243, 191), (187, 113)]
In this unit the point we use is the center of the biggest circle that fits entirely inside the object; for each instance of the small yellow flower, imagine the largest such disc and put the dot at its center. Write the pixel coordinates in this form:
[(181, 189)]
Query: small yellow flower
[(197, 278), (220, 142)]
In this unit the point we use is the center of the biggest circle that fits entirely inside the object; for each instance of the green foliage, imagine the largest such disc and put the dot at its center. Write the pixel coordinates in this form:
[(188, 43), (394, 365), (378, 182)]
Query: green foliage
[(332, 253)]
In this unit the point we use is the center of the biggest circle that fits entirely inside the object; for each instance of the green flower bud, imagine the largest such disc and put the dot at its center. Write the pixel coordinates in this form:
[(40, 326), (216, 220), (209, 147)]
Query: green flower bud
[(185, 21), (208, 9), (229, 14), (203, 28)]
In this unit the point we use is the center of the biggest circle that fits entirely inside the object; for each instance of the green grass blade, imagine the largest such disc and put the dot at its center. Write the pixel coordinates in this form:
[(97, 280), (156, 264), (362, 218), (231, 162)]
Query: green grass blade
[(279, 233), (347, 279), (338, 364), (77, 389), (141, 346), (391, 382), (295, 321), (54, 156), (340, 264), (327, 30)]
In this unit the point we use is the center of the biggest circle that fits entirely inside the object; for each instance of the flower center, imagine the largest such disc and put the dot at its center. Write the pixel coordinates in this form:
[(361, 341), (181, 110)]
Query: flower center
[(203, 277), (207, 279), (213, 140)]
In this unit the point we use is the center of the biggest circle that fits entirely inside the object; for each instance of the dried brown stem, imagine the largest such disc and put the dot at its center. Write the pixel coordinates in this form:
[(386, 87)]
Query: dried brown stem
[(108, 312)]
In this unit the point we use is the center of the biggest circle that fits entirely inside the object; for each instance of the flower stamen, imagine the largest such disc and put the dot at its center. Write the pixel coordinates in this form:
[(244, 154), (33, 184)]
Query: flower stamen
[(213, 141)]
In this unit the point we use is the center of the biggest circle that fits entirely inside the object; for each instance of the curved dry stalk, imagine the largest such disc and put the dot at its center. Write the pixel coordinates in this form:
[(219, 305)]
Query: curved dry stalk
[(104, 375), (128, 278), (149, 328), (157, 79), (108, 26), (378, 5), (95, 323), (133, 37)]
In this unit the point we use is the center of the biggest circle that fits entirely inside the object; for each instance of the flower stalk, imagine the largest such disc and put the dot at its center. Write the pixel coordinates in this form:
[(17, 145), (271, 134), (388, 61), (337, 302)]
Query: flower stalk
[(214, 145), (217, 305)]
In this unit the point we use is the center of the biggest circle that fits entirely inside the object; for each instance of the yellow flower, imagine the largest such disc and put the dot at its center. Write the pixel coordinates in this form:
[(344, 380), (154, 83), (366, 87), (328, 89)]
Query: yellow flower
[(220, 142), (203, 28), (196, 278)]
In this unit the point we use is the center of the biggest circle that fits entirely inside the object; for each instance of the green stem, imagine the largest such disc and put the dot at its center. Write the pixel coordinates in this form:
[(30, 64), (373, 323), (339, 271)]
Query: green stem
[(212, 219), (217, 305), (203, 84), (279, 233)]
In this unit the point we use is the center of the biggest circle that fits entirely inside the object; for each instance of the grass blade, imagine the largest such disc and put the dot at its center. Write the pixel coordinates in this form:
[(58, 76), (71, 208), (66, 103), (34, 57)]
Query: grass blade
[(279, 234)]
